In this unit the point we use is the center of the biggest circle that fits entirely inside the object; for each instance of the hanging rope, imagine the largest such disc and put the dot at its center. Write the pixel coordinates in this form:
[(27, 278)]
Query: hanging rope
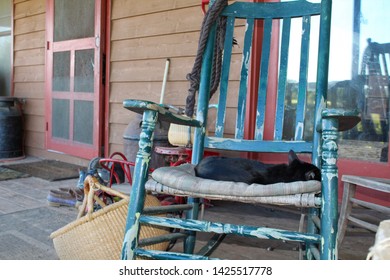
[(211, 17)]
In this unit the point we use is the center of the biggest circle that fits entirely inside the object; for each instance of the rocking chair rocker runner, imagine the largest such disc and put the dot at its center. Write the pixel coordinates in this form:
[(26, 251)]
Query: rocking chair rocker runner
[(321, 141)]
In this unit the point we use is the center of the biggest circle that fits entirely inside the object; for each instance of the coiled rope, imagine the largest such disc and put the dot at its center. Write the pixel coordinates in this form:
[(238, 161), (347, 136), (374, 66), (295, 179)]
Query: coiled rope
[(211, 17)]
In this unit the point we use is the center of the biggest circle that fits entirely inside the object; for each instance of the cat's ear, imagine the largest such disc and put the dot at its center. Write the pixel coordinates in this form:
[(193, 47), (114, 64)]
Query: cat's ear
[(292, 156)]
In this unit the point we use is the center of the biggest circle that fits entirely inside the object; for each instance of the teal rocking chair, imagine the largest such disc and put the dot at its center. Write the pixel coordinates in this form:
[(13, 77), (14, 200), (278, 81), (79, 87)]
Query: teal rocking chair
[(314, 132)]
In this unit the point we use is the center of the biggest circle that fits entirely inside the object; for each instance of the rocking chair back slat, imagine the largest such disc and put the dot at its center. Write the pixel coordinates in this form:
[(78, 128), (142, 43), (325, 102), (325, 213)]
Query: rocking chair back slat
[(302, 88), (263, 80), (279, 116), (241, 108), (228, 46)]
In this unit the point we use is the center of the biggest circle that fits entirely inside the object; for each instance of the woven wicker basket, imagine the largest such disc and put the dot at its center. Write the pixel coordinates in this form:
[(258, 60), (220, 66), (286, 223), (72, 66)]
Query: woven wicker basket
[(99, 235)]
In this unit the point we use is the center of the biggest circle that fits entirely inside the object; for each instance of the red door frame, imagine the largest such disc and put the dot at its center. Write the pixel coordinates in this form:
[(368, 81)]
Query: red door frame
[(346, 166), (97, 43), (106, 100), (254, 85)]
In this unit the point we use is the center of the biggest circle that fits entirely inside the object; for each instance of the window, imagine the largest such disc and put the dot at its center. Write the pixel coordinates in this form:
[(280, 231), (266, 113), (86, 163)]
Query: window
[(358, 76)]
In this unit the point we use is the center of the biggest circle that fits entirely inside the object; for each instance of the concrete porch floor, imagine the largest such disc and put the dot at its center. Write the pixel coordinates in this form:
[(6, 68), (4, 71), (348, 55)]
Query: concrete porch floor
[(26, 221)]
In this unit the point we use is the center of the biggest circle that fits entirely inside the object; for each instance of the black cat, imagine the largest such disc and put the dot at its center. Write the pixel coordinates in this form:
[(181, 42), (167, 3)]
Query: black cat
[(252, 171)]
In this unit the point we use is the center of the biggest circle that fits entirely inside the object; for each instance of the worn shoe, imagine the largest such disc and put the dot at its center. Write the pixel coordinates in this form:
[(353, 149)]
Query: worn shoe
[(61, 198), (76, 192)]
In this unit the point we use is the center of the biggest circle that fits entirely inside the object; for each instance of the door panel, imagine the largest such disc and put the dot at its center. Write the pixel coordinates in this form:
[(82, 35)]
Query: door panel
[(60, 117), (73, 81), (84, 71), (61, 71), (83, 123), (74, 19)]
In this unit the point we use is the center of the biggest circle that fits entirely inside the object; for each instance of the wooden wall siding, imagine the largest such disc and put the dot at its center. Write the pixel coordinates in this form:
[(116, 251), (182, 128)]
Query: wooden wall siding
[(25, 9), (29, 41), (29, 24), (29, 69), (175, 21), (129, 8), (143, 35)]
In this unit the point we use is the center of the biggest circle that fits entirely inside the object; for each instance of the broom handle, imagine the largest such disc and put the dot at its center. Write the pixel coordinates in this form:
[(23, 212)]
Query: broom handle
[(165, 78)]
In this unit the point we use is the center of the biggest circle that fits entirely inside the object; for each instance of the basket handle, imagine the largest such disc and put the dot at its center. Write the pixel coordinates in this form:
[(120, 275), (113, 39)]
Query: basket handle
[(92, 185)]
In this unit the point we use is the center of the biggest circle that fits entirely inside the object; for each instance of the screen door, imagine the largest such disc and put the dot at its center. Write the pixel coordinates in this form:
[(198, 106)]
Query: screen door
[(73, 82)]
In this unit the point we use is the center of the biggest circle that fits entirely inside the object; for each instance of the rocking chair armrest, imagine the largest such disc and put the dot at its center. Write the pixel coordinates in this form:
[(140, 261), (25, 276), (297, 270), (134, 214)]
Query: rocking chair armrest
[(347, 119), (164, 114)]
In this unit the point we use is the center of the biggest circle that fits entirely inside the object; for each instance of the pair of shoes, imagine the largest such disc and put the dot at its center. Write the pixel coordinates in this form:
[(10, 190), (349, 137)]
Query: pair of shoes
[(64, 197)]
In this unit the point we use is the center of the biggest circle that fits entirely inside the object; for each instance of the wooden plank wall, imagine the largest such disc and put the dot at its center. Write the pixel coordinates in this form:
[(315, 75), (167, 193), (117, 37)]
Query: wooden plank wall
[(143, 35)]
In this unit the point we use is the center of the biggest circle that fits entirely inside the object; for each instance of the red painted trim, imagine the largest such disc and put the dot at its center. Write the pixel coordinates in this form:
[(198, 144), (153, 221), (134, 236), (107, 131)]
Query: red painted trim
[(106, 129), (253, 82), (369, 169), (97, 78), (99, 23), (78, 44), (272, 88), (204, 4), (12, 86), (253, 85), (48, 61)]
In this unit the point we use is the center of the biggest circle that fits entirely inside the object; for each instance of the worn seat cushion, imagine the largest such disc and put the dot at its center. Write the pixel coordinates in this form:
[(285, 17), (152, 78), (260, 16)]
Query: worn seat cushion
[(181, 181)]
